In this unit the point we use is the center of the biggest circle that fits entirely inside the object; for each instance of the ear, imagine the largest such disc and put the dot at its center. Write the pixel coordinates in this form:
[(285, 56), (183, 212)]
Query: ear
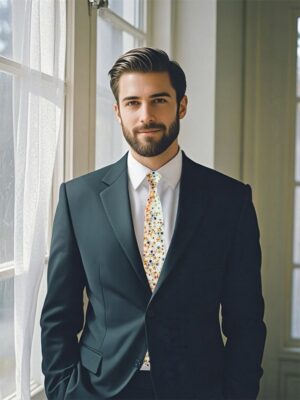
[(117, 112), (183, 107)]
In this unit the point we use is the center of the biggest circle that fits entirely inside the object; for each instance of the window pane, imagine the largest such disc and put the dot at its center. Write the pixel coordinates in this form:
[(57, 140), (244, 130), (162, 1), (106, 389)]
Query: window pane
[(296, 304), (6, 170), (44, 18), (111, 43), (130, 10), (5, 28), (7, 359)]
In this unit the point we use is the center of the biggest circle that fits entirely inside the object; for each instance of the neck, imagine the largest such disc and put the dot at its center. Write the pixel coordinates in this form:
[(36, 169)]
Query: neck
[(158, 161)]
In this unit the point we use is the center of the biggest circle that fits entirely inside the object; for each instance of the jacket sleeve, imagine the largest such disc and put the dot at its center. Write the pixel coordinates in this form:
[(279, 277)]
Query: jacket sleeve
[(243, 308), (62, 313)]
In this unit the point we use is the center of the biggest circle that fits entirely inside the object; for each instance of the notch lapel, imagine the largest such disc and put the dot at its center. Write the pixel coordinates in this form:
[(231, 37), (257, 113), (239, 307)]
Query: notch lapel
[(116, 203), (193, 201)]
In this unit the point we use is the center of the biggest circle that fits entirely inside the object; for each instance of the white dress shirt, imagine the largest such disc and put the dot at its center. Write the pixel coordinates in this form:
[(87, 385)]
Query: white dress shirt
[(168, 191)]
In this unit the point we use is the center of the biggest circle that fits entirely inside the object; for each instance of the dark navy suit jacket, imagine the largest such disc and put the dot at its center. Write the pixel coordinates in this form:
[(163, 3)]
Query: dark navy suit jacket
[(213, 261)]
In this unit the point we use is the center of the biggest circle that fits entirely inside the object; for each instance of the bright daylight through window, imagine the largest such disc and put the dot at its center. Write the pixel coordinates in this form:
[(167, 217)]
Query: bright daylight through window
[(120, 28), (32, 81)]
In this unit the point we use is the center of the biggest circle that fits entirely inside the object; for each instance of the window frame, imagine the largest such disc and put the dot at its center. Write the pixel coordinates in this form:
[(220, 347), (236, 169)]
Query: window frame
[(13, 68), (7, 269), (291, 345)]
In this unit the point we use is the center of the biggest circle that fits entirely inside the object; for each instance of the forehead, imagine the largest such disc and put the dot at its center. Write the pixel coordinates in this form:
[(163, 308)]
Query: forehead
[(144, 84)]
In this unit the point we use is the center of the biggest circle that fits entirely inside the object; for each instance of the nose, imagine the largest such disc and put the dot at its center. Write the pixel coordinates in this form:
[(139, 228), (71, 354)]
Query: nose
[(146, 114)]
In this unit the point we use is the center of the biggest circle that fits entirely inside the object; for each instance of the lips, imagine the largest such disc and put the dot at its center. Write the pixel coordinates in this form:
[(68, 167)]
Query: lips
[(149, 131)]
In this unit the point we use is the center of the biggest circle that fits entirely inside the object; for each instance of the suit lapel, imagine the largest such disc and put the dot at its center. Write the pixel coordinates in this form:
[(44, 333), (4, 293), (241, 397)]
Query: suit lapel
[(193, 201), (116, 203)]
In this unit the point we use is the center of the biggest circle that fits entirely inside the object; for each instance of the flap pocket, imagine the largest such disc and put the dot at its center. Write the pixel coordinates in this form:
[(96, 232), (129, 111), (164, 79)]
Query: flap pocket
[(90, 358)]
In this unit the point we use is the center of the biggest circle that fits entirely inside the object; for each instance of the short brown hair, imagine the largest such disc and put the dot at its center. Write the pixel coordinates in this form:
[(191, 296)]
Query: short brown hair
[(147, 59)]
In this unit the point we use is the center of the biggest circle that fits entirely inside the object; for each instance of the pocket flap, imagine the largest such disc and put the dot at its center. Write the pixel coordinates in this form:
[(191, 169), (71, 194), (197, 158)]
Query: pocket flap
[(90, 358)]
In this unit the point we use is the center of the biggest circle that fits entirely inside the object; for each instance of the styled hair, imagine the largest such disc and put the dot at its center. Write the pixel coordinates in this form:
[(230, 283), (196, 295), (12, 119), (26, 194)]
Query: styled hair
[(147, 59)]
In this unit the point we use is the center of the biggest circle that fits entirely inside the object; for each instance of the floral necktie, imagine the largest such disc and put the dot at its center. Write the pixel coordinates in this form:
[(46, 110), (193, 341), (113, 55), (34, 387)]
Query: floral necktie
[(154, 250)]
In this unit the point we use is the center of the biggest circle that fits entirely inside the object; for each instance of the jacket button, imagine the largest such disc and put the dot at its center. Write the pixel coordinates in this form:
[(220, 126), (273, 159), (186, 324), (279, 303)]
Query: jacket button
[(137, 363)]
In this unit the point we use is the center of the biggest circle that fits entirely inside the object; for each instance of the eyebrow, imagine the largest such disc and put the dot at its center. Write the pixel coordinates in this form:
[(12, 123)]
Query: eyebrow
[(160, 94)]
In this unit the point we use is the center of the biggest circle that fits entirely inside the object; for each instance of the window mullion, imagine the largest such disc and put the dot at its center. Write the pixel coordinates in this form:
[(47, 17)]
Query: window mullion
[(119, 23), (10, 66), (7, 270)]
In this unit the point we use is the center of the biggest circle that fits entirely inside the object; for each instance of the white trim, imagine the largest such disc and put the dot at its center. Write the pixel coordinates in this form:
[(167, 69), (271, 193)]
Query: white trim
[(290, 353), (35, 388), (14, 68), (92, 92), (161, 20), (69, 102), (80, 114), (7, 270), (120, 23), (143, 14), (10, 66)]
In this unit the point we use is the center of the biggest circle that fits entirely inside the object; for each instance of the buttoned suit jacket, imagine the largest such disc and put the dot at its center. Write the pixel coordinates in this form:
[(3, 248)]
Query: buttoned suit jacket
[(213, 262)]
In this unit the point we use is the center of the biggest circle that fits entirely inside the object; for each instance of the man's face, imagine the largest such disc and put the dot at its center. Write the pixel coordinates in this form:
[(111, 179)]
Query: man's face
[(148, 111)]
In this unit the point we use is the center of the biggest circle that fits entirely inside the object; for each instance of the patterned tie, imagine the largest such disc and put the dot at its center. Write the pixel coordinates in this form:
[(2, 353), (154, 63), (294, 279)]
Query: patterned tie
[(154, 250)]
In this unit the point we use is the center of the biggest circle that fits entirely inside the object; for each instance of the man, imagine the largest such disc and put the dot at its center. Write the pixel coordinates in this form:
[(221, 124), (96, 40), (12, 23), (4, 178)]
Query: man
[(160, 243)]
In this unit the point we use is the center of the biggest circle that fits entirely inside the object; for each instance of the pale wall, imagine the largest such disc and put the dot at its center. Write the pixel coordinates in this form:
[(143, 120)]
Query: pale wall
[(195, 49), (186, 29)]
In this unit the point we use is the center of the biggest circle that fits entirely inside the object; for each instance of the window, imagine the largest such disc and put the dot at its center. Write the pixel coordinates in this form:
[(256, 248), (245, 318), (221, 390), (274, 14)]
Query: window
[(32, 48), (119, 28)]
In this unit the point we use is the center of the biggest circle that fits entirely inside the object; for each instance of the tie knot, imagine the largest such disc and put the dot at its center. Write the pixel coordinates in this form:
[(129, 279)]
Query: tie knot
[(153, 178)]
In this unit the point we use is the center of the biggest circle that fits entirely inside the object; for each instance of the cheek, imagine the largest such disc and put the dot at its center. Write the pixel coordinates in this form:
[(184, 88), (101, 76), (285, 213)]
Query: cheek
[(168, 116), (129, 119)]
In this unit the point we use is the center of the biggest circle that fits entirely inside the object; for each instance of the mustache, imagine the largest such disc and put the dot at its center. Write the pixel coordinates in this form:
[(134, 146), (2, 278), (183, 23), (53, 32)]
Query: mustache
[(152, 125)]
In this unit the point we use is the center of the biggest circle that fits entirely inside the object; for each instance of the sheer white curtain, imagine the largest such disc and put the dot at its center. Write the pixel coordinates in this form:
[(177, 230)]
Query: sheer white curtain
[(38, 122)]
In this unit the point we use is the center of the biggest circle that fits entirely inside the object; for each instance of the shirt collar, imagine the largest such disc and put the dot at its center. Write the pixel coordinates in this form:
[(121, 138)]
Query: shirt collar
[(170, 172)]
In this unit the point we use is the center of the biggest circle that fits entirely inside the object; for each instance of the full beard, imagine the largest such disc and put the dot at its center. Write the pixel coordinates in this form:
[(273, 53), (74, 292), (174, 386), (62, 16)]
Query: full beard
[(150, 146)]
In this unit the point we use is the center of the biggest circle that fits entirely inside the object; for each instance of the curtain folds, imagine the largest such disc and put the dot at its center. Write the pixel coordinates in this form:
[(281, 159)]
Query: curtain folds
[(38, 106)]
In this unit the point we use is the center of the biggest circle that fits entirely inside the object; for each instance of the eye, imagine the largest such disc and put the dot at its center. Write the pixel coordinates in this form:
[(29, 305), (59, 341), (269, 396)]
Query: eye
[(159, 100), (132, 103)]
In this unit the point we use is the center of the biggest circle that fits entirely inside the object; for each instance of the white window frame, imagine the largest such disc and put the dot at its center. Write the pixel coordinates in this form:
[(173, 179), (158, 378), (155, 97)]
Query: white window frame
[(123, 25), (7, 269), (292, 344), (11, 67)]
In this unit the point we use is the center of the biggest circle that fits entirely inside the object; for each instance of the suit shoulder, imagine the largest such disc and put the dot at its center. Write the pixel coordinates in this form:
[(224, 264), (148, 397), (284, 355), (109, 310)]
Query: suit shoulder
[(217, 178), (81, 188), (225, 193), (89, 177), (98, 179)]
